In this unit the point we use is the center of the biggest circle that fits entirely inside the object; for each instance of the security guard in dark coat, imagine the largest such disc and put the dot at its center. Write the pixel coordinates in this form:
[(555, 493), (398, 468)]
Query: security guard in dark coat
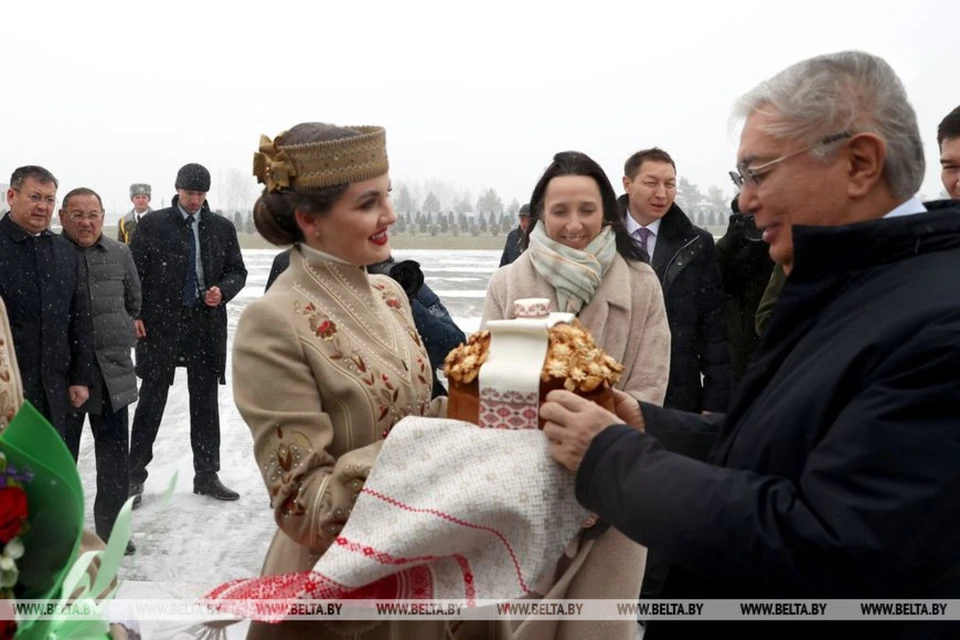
[(190, 267)]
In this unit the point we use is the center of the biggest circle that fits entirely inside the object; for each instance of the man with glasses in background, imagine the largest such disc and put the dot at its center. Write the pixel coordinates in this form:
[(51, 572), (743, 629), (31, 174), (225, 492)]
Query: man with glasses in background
[(114, 290), (46, 298)]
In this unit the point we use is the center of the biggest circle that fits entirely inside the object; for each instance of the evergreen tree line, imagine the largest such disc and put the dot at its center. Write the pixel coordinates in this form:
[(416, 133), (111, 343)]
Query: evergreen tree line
[(488, 214)]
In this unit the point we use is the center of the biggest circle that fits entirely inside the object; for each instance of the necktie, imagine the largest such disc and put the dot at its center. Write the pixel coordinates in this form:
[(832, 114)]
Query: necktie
[(643, 236), (190, 282)]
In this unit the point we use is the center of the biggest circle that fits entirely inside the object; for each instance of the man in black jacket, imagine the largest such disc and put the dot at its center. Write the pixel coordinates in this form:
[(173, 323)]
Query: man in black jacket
[(46, 298), (114, 290), (190, 267), (745, 265), (685, 259), (513, 247), (834, 473)]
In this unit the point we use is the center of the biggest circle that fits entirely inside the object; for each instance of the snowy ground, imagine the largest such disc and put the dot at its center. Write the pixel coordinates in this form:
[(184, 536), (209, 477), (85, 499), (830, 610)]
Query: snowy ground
[(194, 542)]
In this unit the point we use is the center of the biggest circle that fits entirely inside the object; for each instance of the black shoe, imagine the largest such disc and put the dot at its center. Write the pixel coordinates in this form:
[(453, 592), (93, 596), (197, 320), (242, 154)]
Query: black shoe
[(211, 486), (131, 549), (136, 492)]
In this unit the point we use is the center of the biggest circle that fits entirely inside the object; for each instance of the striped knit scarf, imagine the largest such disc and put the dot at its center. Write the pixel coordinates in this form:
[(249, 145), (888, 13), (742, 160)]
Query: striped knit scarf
[(574, 274)]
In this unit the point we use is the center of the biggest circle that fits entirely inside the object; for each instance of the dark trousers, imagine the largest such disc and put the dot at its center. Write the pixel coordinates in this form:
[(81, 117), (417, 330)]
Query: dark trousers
[(202, 384), (110, 446), (40, 403), (654, 576)]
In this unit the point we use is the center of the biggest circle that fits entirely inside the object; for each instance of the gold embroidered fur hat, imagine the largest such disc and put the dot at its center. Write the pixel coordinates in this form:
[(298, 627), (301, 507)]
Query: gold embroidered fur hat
[(322, 164)]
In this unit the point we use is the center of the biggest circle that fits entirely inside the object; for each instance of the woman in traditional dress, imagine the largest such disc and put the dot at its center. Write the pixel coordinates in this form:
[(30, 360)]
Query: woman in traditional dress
[(329, 359), (580, 256)]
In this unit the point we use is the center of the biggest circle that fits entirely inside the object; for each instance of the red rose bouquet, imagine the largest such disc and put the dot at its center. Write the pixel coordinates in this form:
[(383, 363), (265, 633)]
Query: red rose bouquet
[(13, 523)]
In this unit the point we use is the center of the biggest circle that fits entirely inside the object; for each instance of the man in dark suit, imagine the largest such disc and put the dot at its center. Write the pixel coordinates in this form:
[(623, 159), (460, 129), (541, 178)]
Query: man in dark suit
[(190, 266), (685, 259), (46, 298)]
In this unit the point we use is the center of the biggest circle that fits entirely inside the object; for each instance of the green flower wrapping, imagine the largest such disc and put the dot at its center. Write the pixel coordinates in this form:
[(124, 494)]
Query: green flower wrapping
[(50, 568)]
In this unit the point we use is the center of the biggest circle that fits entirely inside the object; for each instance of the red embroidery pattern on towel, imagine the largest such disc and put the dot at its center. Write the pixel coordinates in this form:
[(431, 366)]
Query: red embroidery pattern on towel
[(504, 409)]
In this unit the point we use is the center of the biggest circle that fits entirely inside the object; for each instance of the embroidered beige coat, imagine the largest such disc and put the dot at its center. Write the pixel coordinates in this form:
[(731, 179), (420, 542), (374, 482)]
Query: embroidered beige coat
[(628, 321), (11, 388), (324, 364)]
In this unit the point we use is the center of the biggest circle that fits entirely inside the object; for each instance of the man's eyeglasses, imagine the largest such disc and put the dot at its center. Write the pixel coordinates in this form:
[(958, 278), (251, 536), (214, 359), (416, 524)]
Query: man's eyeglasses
[(77, 216), (36, 198), (751, 175)]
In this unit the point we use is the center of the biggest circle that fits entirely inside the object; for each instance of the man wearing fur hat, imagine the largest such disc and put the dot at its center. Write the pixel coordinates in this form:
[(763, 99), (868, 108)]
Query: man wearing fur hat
[(190, 267), (140, 197)]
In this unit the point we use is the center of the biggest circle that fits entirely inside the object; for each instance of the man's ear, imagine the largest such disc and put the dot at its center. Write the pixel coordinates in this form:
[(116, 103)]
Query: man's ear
[(866, 155)]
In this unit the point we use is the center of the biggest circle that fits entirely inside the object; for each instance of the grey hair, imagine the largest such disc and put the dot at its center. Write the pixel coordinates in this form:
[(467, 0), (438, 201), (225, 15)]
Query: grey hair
[(850, 91)]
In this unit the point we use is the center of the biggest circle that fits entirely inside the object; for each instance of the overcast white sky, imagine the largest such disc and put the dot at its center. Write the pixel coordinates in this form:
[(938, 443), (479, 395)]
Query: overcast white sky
[(482, 94)]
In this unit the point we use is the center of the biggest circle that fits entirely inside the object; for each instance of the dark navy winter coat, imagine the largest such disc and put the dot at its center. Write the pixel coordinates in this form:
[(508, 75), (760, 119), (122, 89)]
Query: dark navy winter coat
[(47, 302), (836, 471)]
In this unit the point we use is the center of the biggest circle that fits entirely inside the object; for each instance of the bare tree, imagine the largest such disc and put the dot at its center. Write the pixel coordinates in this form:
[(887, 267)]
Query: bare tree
[(238, 190)]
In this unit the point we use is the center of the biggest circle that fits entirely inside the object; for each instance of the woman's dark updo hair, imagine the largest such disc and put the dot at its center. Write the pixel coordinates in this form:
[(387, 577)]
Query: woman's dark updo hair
[(273, 213), (574, 163)]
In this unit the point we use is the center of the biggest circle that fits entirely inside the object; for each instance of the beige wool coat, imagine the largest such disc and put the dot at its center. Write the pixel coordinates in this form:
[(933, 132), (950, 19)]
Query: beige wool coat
[(324, 365), (628, 321), (11, 387)]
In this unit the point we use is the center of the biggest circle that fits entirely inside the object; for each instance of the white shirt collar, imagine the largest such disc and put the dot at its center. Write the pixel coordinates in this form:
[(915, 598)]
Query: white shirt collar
[(633, 225), (185, 213), (908, 208)]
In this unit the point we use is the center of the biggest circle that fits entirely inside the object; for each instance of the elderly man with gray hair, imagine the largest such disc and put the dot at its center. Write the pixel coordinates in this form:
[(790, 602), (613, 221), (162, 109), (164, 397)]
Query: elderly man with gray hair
[(835, 474)]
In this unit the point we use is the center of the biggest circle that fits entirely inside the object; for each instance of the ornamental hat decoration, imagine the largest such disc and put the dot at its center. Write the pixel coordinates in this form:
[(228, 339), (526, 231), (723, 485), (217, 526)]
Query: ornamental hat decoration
[(321, 164)]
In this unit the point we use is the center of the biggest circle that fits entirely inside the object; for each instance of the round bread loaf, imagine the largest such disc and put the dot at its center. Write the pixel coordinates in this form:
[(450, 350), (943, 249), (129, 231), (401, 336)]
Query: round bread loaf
[(574, 362)]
